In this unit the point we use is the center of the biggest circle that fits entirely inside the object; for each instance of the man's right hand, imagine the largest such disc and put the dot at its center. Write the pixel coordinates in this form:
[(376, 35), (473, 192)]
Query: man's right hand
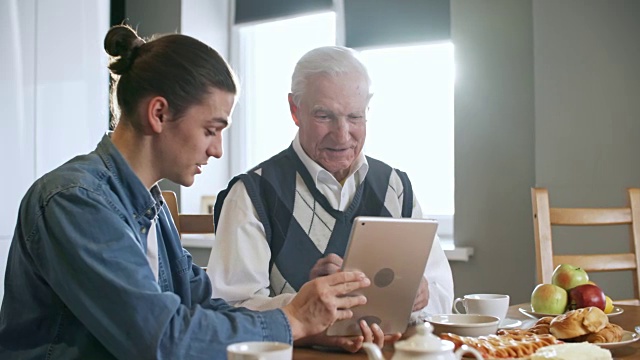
[(372, 334), (321, 302)]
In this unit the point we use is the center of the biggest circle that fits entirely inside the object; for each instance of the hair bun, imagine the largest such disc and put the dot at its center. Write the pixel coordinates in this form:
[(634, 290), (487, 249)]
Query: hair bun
[(121, 43)]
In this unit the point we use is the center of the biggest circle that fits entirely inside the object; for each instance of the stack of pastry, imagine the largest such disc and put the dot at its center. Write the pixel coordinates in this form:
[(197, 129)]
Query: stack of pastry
[(588, 324)]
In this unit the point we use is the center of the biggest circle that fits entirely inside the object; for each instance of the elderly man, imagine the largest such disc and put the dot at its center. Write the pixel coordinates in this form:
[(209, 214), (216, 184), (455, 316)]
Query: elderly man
[(287, 220)]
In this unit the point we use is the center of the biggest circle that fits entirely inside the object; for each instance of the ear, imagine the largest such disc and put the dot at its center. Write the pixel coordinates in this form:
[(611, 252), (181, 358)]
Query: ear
[(293, 108), (157, 113)]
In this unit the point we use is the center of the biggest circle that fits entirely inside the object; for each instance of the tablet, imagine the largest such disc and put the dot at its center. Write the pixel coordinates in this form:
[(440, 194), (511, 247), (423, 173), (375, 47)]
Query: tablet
[(393, 253)]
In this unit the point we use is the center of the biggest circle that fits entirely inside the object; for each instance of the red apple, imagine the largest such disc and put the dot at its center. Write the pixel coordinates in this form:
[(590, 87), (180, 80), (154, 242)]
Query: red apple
[(587, 295), (568, 276)]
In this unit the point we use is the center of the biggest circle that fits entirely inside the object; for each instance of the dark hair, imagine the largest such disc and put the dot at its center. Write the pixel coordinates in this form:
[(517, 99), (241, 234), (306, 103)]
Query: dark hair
[(177, 67)]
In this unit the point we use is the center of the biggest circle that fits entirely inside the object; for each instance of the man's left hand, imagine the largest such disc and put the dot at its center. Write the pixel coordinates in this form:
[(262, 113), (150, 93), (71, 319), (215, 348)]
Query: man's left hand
[(422, 298), (327, 265)]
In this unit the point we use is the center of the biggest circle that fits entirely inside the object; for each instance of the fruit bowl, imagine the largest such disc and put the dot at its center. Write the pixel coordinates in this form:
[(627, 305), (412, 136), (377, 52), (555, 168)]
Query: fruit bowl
[(464, 324), (527, 310)]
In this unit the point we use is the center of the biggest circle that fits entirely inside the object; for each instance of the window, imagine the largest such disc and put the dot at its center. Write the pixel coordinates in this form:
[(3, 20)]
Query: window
[(269, 54), (410, 123)]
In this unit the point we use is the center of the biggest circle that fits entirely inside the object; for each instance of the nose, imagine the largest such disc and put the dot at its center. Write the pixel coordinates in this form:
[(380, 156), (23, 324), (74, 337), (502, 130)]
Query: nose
[(215, 148), (341, 129)]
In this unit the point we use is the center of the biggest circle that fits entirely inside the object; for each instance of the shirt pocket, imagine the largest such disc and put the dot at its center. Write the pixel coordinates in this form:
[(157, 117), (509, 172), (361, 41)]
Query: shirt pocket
[(183, 264)]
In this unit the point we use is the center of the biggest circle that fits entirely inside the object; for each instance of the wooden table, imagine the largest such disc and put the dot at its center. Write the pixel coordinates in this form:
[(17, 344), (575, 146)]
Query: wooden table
[(627, 320)]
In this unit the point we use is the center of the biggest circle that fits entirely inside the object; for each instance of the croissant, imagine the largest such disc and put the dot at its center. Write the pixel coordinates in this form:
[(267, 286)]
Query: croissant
[(578, 322), (545, 320), (610, 333), (540, 329)]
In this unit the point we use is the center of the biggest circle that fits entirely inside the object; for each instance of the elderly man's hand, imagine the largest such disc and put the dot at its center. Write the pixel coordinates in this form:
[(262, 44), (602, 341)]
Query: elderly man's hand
[(327, 265), (352, 344), (321, 302), (422, 297)]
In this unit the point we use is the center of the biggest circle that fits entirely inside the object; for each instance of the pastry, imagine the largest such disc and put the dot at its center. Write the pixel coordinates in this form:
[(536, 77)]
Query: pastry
[(545, 320), (542, 325), (510, 344), (540, 329), (578, 322), (610, 333)]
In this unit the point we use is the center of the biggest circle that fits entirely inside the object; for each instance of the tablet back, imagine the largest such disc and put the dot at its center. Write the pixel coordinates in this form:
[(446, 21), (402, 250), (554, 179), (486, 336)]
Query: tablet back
[(393, 253)]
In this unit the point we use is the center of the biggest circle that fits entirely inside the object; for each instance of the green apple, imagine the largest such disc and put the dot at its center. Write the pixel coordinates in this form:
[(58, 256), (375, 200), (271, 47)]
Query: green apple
[(568, 276), (549, 299)]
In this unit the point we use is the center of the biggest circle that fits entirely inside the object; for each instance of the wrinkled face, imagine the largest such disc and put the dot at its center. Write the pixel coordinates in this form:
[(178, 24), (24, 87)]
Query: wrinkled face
[(188, 143), (332, 120)]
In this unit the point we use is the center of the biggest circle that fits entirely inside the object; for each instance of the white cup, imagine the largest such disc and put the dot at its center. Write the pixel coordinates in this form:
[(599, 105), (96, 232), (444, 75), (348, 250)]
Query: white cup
[(484, 304), (259, 350)]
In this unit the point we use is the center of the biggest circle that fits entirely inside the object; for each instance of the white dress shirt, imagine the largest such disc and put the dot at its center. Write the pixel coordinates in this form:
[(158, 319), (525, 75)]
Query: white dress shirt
[(239, 261), (152, 248)]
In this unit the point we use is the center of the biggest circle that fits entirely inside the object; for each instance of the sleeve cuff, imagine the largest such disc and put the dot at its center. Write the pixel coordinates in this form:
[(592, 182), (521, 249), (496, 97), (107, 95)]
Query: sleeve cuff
[(275, 326)]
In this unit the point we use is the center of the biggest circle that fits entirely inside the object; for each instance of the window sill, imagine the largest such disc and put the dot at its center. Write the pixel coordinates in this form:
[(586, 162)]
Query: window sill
[(459, 253), (197, 241), (455, 253)]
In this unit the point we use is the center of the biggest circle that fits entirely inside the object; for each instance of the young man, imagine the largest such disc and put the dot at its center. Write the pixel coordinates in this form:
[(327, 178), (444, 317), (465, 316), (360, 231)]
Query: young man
[(96, 269)]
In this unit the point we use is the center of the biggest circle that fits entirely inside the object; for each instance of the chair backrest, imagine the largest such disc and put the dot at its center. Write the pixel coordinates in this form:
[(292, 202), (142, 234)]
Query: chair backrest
[(187, 223), (545, 216)]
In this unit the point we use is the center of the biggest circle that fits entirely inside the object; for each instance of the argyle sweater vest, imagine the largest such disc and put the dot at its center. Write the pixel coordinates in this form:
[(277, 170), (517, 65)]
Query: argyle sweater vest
[(299, 222)]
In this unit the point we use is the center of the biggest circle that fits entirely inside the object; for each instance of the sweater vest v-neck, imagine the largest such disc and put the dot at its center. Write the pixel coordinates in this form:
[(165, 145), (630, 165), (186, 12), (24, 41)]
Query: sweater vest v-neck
[(300, 224)]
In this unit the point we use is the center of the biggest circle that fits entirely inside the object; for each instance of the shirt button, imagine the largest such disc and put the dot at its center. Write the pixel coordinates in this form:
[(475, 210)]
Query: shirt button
[(143, 230), (148, 212)]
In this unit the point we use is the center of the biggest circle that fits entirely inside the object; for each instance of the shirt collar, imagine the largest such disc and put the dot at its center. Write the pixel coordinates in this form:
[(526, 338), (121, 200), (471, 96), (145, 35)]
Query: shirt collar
[(145, 202), (360, 166)]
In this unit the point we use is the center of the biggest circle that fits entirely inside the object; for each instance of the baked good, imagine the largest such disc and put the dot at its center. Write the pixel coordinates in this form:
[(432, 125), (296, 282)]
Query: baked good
[(516, 333), (610, 333), (578, 322), (542, 325), (508, 345), (545, 320), (574, 351)]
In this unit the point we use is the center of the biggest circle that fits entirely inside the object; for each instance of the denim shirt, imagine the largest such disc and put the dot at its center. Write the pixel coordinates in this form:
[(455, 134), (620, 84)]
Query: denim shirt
[(78, 283)]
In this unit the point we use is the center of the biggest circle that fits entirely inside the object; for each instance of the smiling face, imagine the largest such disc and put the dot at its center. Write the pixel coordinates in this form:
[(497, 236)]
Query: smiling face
[(188, 143), (331, 118)]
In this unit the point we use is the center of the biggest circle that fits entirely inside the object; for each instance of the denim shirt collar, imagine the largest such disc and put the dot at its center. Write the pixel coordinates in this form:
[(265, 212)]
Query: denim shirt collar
[(144, 202)]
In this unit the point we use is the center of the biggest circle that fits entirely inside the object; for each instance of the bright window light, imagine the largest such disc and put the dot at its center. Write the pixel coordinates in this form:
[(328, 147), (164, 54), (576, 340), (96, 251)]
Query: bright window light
[(410, 122), (269, 54)]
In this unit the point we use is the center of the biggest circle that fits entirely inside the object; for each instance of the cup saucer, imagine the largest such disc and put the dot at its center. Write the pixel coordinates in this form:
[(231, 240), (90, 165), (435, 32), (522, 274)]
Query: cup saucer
[(509, 323)]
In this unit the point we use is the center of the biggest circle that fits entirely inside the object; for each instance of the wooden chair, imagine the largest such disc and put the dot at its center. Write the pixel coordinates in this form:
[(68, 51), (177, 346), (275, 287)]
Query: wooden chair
[(544, 217), (187, 223)]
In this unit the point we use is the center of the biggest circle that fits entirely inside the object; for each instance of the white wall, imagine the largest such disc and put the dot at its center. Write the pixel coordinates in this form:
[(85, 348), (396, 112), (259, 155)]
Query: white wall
[(207, 21), (55, 98)]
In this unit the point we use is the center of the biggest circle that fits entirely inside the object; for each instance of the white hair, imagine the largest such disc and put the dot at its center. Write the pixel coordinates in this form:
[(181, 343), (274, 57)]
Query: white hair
[(330, 60)]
